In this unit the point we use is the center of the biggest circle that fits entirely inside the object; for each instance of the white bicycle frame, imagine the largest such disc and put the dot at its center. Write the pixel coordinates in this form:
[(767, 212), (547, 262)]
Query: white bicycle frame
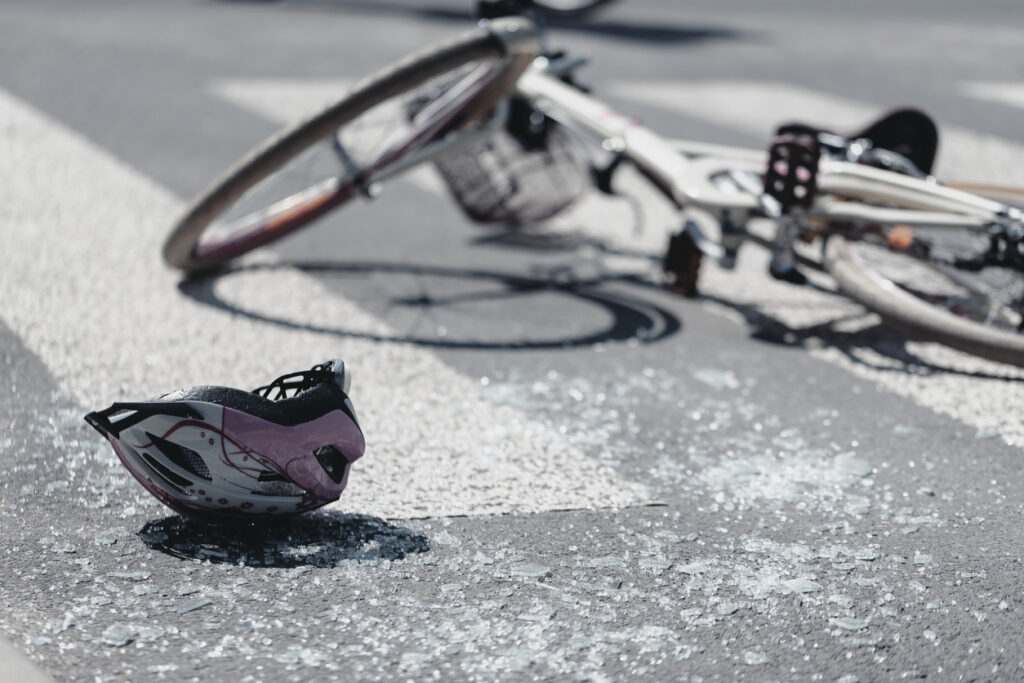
[(686, 171)]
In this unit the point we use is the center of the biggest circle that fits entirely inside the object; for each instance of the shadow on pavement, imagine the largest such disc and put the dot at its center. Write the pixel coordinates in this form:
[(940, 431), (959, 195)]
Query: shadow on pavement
[(888, 342), (322, 539), (632, 316), (884, 340), (462, 13), (456, 297)]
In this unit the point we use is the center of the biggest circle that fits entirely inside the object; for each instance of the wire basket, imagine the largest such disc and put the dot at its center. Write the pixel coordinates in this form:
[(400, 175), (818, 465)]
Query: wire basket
[(517, 178)]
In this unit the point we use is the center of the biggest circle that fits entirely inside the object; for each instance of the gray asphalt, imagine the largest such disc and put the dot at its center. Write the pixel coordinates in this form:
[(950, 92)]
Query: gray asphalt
[(808, 523)]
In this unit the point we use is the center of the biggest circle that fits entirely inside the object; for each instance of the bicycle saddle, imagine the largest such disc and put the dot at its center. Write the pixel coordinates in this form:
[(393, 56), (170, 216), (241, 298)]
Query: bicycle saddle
[(908, 132)]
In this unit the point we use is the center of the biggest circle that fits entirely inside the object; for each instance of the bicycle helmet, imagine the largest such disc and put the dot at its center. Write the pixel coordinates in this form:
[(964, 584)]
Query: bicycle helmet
[(218, 452)]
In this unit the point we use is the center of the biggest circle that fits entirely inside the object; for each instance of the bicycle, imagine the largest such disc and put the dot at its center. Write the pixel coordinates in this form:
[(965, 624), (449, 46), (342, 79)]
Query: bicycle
[(503, 122)]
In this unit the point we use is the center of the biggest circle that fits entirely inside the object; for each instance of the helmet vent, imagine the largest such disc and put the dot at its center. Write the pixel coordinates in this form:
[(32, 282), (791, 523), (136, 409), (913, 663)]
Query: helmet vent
[(276, 484), (334, 463), (178, 482), (185, 458), (293, 384)]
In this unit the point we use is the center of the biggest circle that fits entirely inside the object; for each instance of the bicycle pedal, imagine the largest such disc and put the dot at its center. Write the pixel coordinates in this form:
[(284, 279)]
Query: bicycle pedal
[(791, 177)]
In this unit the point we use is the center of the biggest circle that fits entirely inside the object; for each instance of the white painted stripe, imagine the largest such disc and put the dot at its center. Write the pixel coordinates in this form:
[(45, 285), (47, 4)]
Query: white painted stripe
[(759, 107), (83, 286), (281, 100), (14, 666), (1003, 93), (287, 101)]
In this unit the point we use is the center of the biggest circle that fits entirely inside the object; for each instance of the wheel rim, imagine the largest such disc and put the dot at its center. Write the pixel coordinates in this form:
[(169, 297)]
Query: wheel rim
[(333, 171), (990, 297)]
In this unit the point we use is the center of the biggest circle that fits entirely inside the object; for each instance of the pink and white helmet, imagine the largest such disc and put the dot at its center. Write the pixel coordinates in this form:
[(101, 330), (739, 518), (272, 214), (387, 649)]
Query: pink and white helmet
[(218, 452)]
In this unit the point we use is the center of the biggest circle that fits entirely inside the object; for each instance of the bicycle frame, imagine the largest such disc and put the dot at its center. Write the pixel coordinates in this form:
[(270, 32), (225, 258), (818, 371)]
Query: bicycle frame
[(687, 172), (851, 201)]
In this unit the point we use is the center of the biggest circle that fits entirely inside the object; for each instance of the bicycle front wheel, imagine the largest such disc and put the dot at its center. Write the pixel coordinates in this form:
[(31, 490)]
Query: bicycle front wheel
[(382, 127), (923, 282)]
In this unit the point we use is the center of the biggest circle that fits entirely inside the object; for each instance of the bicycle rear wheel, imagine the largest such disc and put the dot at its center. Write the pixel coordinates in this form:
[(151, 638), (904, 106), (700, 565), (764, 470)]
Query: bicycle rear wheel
[(379, 129), (918, 281)]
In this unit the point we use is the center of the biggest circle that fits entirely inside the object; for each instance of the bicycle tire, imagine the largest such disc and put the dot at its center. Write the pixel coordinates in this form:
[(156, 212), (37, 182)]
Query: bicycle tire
[(508, 43), (847, 260), (570, 9)]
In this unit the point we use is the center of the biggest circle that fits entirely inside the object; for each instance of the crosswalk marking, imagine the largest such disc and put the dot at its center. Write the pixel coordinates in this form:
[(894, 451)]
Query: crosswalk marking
[(1003, 93), (759, 107), (751, 107), (287, 101), (85, 290), (282, 100)]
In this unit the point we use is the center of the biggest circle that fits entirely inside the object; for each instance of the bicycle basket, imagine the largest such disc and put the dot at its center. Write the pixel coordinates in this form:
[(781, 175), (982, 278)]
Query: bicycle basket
[(517, 177)]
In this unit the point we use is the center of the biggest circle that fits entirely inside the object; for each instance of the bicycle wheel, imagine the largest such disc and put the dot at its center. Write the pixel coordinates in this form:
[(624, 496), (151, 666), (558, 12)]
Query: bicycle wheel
[(376, 131), (569, 9), (920, 281)]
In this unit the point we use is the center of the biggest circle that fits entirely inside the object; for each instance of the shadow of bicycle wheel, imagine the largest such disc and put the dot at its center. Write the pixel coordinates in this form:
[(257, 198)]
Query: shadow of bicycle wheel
[(461, 13), (477, 308)]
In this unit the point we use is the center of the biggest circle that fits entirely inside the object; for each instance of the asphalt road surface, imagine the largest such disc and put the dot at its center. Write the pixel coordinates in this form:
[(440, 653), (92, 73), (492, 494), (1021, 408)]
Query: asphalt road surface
[(570, 473)]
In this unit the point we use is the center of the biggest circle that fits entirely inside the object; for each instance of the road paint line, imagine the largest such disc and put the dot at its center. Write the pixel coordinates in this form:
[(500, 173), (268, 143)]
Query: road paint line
[(281, 100), (759, 107), (1003, 93), (14, 666), (84, 288), (287, 101)]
